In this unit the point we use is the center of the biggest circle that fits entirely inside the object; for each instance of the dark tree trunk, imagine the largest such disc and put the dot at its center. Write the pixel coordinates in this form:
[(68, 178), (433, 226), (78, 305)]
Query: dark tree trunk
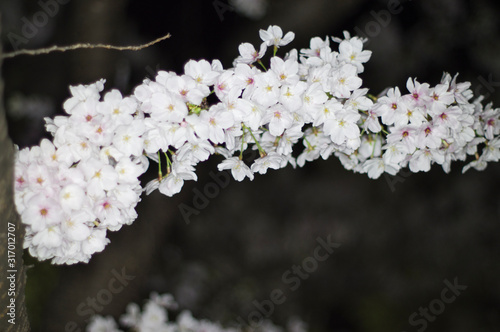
[(13, 314)]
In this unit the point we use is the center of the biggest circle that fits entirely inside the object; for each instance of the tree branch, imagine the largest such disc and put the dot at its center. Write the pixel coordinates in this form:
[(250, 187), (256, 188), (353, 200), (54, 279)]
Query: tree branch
[(56, 48)]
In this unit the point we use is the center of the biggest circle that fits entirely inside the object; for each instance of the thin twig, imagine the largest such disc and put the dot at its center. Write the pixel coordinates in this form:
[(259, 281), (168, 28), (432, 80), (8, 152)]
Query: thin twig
[(56, 48)]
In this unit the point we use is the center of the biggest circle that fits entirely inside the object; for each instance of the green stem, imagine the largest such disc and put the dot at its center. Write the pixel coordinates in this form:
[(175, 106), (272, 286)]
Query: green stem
[(169, 163), (160, 174), (242, 143), (309, 146), (262, 65), (262, 152)]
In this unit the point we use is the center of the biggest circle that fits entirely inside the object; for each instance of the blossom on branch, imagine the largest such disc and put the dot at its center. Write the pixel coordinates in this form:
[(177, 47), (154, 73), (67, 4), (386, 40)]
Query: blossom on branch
[(85, 182)]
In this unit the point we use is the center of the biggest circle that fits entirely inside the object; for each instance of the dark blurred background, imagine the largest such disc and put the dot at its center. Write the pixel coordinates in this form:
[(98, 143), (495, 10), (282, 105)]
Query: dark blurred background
[(400, 237)]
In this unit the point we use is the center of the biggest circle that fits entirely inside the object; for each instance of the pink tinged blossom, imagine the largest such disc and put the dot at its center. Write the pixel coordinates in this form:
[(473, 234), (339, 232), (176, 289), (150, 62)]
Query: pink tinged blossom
[(167, 107), (271, 160), (75, 225), (449, 117), (129, 140), (72, 197), (421, 160), (315, 46), (406, 135), (82, 149), (491, 152), (371, 146), (117, 108), (327, 111), (108, 211), (155, 136), (274, 36), (128, 171), (95, 242), (389, 106), (173, 182), (286, 71), (196, 151), (313, 98), (342, 127), (278, 118), (412, 115), (20, 177), (49, 237), (39, 177), (187, 89), (231, 135), (69, 176), (246, 74), (430, 136), (151, 186), (291, 95), (238, 168), (50, 155), (82, 93), (223, 83), (41, 211), (239, 108), (99, 176), (440, 97), (127, 195), (196, 128), (201, 71), (320, 75), (491, 120), (288, 139), (419, 93), (217, 119), (461, 91), (371, 123), (254, 113), (176, 134), (267, 89), (101, 133), (376, 166), (351, 51), (359, 101), (344, 80), (248, 53), (85, 113)]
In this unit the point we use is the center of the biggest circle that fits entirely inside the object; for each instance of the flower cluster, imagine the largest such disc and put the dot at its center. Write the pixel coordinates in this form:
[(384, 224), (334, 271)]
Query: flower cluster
[(155, 317), (69, 192), (298, 108), (428, 125)]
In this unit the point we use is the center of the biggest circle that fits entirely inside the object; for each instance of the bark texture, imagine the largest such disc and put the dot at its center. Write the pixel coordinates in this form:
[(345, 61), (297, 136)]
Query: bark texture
[(11, 319)]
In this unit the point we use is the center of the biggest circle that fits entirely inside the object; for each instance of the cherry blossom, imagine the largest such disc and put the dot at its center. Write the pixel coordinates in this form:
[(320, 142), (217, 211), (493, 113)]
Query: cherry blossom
[(292, 109)]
